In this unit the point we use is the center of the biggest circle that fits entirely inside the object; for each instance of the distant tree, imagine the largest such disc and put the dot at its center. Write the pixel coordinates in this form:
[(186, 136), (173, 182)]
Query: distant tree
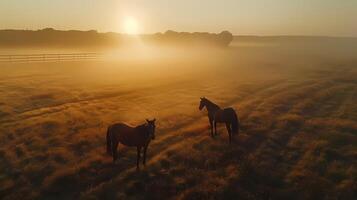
[(226, 37), (93, 31), (48, 29), (201, 38), (170, 32)]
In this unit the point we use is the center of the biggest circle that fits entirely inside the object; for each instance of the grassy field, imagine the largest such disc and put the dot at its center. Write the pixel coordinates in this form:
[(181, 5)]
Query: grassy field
[(297, 107)]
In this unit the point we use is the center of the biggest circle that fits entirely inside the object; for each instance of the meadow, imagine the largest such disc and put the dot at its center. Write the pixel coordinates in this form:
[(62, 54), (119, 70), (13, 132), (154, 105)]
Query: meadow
[(296, 103)]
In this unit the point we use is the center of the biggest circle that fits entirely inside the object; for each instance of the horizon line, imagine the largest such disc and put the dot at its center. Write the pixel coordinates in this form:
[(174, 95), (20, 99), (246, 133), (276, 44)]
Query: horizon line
[(234, 35)]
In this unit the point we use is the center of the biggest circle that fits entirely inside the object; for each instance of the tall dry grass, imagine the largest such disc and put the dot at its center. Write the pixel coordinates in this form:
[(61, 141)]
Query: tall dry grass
[(297, 140)]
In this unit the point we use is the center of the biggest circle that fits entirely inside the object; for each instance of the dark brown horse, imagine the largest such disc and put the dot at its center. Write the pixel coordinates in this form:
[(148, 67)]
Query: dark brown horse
[(218, 115), (138, 137)]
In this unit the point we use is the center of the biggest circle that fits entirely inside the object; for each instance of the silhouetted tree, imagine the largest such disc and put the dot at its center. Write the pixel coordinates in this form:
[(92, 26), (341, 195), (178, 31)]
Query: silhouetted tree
[(226, 37)]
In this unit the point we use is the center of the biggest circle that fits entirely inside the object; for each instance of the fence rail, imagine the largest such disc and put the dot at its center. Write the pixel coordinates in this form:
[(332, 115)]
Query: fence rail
[(49, 57)]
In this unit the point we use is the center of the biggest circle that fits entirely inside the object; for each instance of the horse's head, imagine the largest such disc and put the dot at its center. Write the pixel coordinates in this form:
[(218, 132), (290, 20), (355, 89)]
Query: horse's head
[(151, 126), (202, 103)]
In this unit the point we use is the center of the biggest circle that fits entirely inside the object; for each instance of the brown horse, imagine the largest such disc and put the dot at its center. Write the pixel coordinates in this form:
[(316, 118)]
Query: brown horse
[(218, 115), (138, 137)]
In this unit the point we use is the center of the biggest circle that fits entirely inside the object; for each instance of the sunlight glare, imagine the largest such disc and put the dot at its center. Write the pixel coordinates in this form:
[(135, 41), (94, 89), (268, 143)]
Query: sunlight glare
[(131, 26)]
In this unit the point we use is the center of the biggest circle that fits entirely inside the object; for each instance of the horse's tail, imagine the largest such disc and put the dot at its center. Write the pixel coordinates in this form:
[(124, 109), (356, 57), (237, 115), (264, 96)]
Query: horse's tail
[(235, 123), (109, 141)]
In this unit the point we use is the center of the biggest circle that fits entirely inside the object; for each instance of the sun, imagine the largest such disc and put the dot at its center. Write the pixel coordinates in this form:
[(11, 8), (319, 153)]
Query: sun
[(131, 26)]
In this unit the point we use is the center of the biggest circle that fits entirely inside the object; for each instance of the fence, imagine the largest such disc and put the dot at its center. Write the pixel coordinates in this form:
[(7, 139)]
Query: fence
[(19, 58)]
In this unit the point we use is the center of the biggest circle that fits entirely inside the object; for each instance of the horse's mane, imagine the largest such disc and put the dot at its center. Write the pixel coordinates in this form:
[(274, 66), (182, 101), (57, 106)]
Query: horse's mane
[(212, 104)]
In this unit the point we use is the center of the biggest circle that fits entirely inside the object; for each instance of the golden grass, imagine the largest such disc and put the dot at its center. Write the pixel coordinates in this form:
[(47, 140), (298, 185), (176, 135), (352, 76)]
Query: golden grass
[(297, 140)]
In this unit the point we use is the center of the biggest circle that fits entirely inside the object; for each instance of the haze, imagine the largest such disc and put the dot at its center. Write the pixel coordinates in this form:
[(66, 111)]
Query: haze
[(253, 17), (284, 106)]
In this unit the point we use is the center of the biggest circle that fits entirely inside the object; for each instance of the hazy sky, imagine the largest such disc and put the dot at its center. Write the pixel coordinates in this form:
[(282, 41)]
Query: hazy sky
[(258, 17)]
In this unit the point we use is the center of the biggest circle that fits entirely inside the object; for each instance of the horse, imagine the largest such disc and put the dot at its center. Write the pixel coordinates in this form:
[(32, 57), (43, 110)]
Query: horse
[(139, 137), (218, 115)]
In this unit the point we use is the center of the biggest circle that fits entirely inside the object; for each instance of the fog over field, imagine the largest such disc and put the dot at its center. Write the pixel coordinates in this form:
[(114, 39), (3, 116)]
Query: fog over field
[(295, 98)]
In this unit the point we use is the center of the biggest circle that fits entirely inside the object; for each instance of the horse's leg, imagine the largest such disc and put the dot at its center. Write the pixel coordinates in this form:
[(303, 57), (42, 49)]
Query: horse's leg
[(114, 150), (211, 123), (229, 132), (144, 159), (109, 142), (138, 157), (215, 127)]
